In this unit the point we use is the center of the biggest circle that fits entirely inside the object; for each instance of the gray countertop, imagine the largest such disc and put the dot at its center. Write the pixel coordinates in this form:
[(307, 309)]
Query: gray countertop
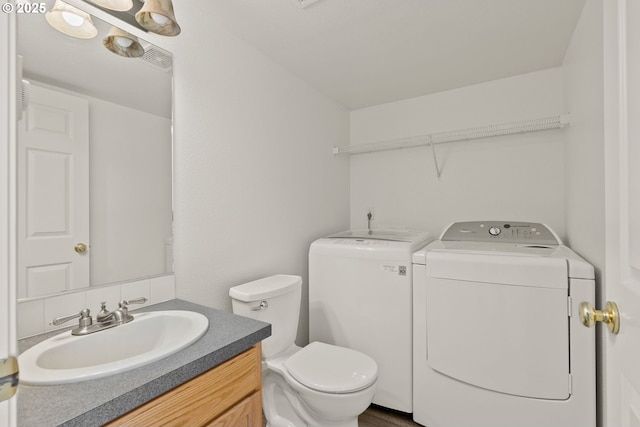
[(95, 402)]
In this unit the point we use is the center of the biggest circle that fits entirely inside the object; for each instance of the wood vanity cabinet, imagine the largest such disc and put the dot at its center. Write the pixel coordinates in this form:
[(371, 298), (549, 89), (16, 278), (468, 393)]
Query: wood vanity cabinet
[(228, 395)]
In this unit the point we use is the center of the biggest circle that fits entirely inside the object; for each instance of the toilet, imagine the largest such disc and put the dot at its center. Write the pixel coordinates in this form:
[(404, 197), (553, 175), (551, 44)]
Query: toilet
[(320, 385)]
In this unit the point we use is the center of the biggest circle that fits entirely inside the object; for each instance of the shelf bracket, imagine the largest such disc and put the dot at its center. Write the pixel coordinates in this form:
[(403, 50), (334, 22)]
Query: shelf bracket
[(435, 158)]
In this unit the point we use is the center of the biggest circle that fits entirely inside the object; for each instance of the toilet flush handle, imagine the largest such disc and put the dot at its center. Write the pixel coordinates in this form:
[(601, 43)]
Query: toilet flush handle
[(263, 305)]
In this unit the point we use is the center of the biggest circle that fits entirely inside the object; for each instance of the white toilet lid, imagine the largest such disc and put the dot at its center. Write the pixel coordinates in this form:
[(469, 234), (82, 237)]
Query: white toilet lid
[(332, 369)]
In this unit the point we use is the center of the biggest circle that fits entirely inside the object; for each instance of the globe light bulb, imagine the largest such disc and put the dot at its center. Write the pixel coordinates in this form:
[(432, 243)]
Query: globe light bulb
[(72, 19), (123, 41), (160, 19)]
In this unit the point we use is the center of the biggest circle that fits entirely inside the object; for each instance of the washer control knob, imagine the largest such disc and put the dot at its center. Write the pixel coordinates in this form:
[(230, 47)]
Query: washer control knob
[(494, 231)]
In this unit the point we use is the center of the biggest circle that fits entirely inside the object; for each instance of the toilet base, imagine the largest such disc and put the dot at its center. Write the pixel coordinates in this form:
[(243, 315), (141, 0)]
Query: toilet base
[(283, 406), (284, 415)]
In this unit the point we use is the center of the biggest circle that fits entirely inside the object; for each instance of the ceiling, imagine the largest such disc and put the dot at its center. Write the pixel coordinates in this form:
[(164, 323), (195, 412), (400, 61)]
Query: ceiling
[(358, 52), (368, 52)]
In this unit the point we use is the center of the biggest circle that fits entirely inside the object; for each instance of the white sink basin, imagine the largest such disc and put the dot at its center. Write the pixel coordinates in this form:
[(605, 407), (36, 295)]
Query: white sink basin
[(149, 337)]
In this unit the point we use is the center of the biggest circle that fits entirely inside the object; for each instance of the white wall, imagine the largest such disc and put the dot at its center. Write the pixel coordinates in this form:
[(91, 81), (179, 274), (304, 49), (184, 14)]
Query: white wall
[(513, 177), (584, 140), (255, 179)]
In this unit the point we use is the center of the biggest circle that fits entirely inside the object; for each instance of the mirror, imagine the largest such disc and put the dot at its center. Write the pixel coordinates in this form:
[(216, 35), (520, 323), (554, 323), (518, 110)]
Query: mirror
[(94, 162)]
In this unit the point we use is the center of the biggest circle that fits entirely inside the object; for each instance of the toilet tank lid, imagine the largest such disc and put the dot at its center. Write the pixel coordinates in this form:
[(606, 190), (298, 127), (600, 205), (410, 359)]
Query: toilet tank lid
[(265, 288)]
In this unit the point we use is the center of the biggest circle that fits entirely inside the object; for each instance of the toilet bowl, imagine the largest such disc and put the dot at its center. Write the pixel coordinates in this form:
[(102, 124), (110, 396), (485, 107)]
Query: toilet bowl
[(317, 385)]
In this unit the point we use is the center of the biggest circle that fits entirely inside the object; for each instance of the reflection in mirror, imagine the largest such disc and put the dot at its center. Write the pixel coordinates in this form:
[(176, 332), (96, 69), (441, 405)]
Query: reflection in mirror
[(94, 162)]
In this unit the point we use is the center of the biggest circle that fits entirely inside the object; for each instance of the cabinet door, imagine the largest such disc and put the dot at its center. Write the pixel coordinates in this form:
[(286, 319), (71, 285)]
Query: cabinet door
[(204, 399), (247, 413)]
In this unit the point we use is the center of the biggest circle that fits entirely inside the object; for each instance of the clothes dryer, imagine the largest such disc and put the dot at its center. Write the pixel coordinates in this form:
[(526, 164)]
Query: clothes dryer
[(497, 336), (360, 290)]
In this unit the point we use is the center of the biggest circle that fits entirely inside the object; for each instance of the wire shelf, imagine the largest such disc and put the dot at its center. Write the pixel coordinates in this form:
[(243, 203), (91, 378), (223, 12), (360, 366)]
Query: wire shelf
[(503, 129)]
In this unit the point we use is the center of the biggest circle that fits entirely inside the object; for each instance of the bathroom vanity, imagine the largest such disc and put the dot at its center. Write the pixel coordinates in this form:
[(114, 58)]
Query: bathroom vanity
[(214, 382), (227, 395)]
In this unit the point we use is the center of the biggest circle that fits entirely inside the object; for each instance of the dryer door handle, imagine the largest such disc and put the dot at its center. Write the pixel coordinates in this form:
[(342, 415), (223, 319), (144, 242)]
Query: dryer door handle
[(610, 316)]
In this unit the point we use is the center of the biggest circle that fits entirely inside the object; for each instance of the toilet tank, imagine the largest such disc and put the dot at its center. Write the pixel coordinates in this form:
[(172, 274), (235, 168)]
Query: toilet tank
[(275, 300)]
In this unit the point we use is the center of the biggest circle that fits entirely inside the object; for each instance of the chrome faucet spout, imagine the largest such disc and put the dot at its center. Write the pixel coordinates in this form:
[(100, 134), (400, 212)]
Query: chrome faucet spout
[(121, 315), (118, 317)]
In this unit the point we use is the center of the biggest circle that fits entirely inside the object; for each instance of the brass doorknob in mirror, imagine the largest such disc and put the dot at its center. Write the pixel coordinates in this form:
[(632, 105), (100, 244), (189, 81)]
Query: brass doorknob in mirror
[(80, 248), (9, 374), (610, 316)]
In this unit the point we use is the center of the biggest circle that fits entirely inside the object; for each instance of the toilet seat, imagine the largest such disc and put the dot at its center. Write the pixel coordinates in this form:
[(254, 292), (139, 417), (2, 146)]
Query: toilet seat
[(331, 369)]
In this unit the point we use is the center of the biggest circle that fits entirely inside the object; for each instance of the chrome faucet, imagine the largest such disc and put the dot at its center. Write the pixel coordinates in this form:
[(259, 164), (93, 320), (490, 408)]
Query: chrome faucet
[(105, 319), (121, 315)]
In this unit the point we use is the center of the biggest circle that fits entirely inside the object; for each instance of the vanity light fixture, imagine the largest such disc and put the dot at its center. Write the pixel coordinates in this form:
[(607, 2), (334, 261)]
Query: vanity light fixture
[(122, 43), (71, 21), (157, 16), (117, 5)]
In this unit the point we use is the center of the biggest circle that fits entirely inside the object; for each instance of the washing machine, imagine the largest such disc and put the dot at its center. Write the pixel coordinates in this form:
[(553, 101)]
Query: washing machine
[(497, 336), (360, 291)]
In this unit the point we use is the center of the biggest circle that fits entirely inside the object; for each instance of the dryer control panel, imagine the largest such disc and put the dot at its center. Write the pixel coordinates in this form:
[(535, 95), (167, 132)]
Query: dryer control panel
[(527, 233)]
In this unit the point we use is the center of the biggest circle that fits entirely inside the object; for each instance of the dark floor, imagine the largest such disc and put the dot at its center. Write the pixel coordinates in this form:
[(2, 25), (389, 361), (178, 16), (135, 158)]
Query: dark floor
[(377, 416)]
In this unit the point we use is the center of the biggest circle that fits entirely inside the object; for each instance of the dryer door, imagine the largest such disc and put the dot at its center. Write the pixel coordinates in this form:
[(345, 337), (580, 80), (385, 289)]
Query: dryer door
[(510, 336)]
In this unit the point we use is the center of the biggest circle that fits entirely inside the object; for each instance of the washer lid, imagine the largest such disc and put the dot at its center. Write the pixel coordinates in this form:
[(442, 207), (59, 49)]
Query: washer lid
[(332, 369), (382, 234)]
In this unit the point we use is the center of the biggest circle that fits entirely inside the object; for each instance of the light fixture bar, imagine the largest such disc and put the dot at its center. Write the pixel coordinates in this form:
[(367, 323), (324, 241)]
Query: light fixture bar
[(117, 5), (126, 16)]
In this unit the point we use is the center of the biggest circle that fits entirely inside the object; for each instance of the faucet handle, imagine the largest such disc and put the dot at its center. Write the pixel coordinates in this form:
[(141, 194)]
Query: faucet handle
[(85, 318), (139, 300)]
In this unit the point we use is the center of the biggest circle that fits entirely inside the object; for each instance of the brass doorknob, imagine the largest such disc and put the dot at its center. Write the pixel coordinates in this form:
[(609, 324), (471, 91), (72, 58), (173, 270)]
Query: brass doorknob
[(80, 248), (610, 316)]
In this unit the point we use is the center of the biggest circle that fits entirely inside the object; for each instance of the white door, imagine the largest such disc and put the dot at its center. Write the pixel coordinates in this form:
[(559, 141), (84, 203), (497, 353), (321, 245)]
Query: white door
[(622, 170), (7, 217), (53, 194)]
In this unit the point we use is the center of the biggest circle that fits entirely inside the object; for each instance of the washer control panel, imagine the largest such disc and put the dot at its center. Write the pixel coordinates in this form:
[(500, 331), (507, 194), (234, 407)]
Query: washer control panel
[(527, 233)]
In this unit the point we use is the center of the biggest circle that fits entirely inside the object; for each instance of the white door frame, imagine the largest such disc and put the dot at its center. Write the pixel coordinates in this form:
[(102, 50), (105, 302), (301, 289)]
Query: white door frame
[(621, 375), (8, 341), (612, 182)]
